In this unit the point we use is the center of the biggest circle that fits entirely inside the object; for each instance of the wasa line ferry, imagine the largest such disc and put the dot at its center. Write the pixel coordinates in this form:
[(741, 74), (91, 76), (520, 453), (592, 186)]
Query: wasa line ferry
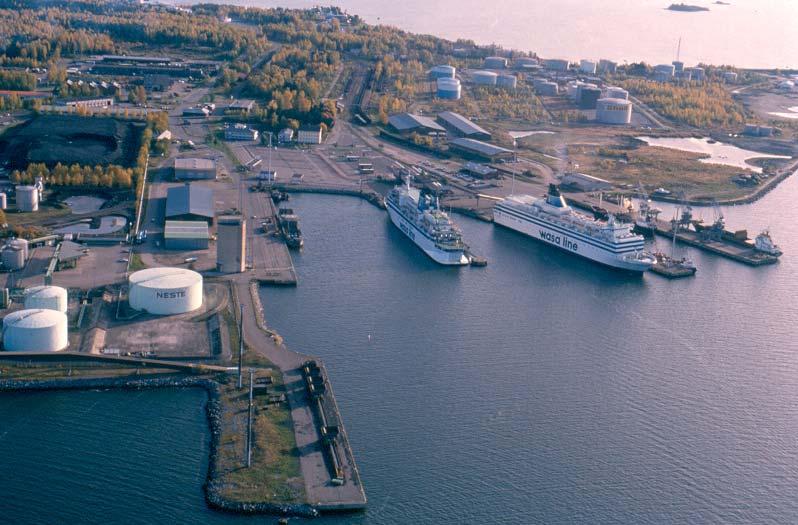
[(552, 221), (419, 217)]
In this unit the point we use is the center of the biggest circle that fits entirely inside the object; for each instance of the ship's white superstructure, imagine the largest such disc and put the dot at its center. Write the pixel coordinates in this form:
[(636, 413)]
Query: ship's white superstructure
[(552, 221), (420, 218)]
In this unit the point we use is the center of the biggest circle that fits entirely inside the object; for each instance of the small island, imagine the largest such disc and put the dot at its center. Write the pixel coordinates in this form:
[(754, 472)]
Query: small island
[(687, 8)]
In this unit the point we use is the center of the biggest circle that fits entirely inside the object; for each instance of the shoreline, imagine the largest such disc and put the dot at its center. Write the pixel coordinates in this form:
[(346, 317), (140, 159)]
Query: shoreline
[(211, 489)]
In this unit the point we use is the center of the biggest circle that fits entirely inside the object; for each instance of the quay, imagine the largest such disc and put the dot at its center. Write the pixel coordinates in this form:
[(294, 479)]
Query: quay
[(739, 251)]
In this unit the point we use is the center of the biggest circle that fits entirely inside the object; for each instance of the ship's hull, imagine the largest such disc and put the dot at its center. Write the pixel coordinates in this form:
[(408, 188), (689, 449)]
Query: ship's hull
[(542, 232), (427, 245)]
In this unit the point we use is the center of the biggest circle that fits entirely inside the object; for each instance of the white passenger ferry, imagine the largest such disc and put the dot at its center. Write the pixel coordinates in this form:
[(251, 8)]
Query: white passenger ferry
[(420, 218), (552, 221)]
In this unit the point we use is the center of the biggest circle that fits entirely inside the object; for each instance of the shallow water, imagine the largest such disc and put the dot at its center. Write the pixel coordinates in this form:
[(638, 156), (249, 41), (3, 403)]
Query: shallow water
[(719, 152)]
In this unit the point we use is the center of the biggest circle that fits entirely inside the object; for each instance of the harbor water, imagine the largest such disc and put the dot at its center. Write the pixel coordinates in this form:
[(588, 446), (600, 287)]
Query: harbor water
[(540, 389)]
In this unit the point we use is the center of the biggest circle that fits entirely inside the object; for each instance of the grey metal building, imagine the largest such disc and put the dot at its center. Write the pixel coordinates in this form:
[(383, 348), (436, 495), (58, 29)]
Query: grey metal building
[(407, 123), (478, 149), (189, 169), (460, 126), (186, 235), (231, 244), (190, 202)]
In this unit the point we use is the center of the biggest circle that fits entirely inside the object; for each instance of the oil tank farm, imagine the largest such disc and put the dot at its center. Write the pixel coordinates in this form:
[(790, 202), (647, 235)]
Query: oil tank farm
[(27, 198), (616, 92), (449, 89), (484, 78), (35, 330), (507, 81), (614, 111), (46, 298), (165, 291), (443, 71), (495, 63)]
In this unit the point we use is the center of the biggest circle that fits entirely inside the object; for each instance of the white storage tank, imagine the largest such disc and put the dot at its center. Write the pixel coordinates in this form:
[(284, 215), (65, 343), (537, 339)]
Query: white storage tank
[(444, 71), (613, 111), (20, 244), (665, 69), (524, 62), (13, 258), (3, 201), (449, 89), (587, 66), (507, 81), (495, 63), (27, 198), (484, 78), (35, 330), (46, 298), (547, 89), (616, 92), (165, 291), (556, 64)]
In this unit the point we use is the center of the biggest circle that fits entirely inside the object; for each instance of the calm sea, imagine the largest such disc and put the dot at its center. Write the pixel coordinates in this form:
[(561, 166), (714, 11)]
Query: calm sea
[(541, 389), (746, 33)]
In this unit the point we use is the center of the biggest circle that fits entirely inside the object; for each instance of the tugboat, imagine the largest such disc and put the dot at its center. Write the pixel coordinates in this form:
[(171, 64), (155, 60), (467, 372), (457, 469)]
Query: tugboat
[(764, 243), (669, 265), (289, 227)]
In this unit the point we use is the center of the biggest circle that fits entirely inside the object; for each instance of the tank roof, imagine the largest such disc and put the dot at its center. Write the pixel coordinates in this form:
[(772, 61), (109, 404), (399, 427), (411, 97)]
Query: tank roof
[(165, 277), (45, 291), (34, 318)]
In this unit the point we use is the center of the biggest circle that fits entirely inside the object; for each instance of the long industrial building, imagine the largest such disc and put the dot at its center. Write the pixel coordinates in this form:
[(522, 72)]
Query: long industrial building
[(478, 149), (406, 123), (189, 202), (460, 126), (192, 169), (186, 235), (231, 244)]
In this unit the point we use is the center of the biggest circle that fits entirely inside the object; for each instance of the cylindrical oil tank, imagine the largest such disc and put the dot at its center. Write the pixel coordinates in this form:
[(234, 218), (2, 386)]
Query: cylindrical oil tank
[(614, 111), (46, 298), (484, 78), (616, 92), (449, 89), (35, 330), (547, 89), (444, 71), (3, 201), (495, 63), (165, 291), (507, 81), (523, 62), (21, 244), (13, 258), (587, 66), (665, 69), (728, 76), (588, 97), (572, 89), (27, 198)]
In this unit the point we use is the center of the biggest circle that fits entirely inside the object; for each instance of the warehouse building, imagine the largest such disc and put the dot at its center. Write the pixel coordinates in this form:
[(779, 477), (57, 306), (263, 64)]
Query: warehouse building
[(241, 107), (480, 171), (239, 132), (189, 202), (460, 126), (193, 169), (186, 235), (407, 123), (471, 148), (584, 182), (103, 102), (309, 135)]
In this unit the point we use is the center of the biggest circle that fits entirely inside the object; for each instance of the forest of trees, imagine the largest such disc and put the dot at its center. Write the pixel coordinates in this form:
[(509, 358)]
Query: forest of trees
[(17, 80)]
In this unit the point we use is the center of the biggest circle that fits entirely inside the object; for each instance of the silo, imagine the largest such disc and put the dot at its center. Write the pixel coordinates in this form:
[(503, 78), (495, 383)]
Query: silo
[(495, 63), (484, 78), (547, 89), (507, 81), (616, 92), (165, 291), (449, 89), (588, 97), (35, 330), (27, 198), (444, 71), (3, 201), (13, 258), (614, 111), (46, 298), (587, 66)]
